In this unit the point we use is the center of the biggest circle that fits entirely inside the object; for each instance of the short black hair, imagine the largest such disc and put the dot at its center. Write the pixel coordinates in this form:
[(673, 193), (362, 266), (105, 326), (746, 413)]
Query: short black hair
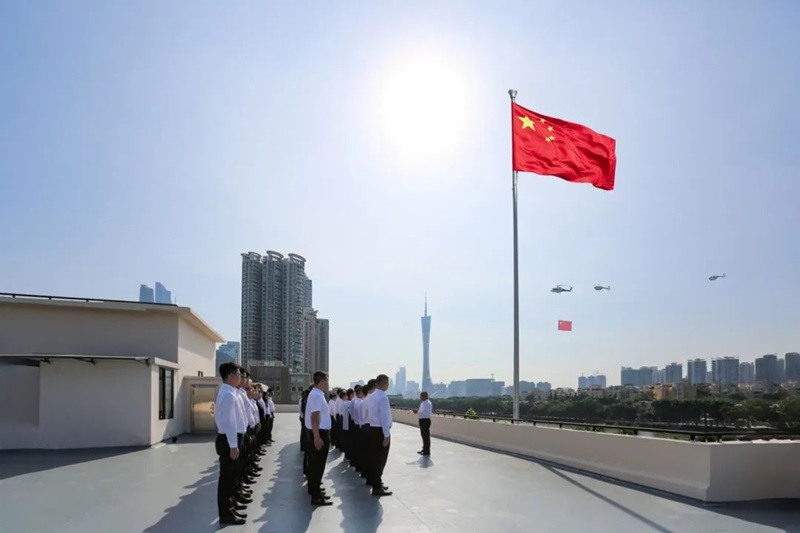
[(382, 378), (371, 383), (350, 391), (269, 389), (319, 377), (357, 388), (226, 369)]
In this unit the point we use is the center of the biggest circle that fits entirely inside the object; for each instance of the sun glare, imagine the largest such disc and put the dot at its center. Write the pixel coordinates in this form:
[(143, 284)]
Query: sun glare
[(423, 109)]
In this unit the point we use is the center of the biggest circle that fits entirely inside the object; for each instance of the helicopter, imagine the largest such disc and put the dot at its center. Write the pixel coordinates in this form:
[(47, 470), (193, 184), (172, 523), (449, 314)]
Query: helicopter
[(561, 288), (600, 288), (715, 277)]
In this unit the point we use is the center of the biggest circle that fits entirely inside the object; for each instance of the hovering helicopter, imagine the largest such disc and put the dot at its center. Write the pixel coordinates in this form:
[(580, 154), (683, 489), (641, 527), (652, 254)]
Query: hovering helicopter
[(715, 277), (561, 288), (601, 288)]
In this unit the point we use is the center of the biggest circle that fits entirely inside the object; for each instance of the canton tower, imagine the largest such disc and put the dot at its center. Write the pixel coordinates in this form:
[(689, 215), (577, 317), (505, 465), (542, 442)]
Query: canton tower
[(426, 350)]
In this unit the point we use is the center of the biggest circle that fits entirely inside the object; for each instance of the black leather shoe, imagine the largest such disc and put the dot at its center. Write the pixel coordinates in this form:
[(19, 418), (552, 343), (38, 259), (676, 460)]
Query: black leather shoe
[(231, 521), (381, 492), (321, 501)]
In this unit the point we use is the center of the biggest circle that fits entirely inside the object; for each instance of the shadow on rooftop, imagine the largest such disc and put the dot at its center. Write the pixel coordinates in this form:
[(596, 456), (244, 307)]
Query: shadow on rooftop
[(21, 462), (286, 503), (782, 514)]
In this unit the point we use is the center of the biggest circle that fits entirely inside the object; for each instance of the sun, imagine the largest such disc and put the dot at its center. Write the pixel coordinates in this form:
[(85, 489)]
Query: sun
[(423, 109)]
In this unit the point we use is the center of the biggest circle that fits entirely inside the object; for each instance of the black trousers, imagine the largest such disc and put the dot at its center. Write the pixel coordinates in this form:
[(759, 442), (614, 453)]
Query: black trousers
[(316, 460), (302, 434), (228, 469), (425, 431), (270, 421), (378, 453), (241, 463)]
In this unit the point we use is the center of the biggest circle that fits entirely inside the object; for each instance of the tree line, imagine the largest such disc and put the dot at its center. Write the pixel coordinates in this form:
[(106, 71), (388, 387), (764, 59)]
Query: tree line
[(777, 410)]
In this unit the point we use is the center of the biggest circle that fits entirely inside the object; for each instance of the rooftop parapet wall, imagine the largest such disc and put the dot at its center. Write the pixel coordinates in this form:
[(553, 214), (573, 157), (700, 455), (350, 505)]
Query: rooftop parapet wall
[(709, 472)]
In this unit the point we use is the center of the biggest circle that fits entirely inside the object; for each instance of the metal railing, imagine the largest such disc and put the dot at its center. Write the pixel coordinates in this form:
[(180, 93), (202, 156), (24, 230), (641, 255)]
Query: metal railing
[(699, 434)]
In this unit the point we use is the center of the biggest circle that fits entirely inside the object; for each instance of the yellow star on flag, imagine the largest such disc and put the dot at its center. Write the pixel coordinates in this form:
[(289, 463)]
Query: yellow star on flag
[(527, 123)]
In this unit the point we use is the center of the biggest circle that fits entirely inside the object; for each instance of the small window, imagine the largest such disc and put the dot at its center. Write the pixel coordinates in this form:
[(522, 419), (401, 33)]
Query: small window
[(166, 387), (199, 373)]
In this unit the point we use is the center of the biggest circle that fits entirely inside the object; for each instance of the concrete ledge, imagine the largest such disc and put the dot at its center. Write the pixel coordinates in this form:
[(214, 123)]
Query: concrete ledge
[(709, 472)]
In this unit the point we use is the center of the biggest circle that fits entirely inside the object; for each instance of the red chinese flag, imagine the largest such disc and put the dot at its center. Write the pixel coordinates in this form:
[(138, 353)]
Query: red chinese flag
[(555, 147), (565, 325)]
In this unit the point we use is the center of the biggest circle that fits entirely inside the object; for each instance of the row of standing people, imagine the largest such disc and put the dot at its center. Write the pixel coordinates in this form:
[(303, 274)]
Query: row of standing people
[(357, 422), (244, 415)]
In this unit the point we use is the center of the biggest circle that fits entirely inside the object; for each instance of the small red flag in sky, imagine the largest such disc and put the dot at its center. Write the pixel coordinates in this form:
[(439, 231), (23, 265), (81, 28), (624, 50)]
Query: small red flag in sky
[(554, 147), (565, 325)]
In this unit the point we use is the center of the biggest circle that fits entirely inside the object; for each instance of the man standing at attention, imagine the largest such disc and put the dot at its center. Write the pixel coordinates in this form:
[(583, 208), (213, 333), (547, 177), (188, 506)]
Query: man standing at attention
[(424, 413), (318, 422), (380, 425), (227, 445), (271, 420)]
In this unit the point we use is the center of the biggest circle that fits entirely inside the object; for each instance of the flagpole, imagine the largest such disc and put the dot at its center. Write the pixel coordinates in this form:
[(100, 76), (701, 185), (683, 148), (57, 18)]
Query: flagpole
[(513, 94)]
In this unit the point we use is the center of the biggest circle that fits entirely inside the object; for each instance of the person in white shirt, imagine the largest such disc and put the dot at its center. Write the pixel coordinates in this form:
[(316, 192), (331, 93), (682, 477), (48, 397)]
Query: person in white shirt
[(355, 413), (339, 409), (226, 417), (380, 424), (318, 422), (270, 416), (424, 414), (332, 410)]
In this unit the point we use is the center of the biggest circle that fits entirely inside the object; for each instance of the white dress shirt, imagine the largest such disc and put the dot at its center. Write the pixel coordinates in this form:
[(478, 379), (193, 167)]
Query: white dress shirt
[(355, 410), (241, 410), (271, 405), (340, 407), (425, 409), (380, 412), (365, 408), (346, 415), (264, 406), (316, 403), (332, 407), (225, 410), (254, 418)]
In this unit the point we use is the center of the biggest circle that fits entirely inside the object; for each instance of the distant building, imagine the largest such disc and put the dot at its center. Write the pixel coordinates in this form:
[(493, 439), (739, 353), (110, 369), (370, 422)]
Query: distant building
[(163, 296), (315, 346), (230, 352), (673, 373), (457, 389), (638, 377), (587, 382), (146, 294), (400, 381), (274, 300), (747, 373), (768, 370), (697, 371), (412, 389), (725, 371), (426, 348), (792, 366)]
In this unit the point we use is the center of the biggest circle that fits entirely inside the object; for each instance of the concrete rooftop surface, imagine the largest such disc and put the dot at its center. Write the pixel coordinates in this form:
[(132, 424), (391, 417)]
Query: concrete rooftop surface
[(172, 488)]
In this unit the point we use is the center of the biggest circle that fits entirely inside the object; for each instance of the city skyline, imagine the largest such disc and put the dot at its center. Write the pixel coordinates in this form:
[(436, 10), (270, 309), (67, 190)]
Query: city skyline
[(173, 180)]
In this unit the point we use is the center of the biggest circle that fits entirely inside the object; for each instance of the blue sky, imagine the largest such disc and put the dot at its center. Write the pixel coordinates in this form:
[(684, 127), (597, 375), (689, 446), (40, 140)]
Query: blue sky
[(144, 141)]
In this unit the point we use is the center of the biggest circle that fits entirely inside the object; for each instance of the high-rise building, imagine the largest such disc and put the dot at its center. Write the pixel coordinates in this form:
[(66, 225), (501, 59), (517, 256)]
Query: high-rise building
[(273, 298), (308, 293), (747, 373), (792, 366), (673, 373), (587, 382), (768, 370), (638, 377), (230, 352), (400, 381), (163, 296), (146, 294), (323, 346), (725, 371), (315, 331), (426, 349), (696, 371)]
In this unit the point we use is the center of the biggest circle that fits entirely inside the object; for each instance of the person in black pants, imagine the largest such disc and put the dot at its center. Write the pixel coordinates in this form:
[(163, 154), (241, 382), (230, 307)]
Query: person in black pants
[(227, 445), (424, 414), (379, 416), (317, 421)]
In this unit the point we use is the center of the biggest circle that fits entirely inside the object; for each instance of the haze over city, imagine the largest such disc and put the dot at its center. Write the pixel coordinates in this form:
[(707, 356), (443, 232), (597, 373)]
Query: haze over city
[(159, 141)]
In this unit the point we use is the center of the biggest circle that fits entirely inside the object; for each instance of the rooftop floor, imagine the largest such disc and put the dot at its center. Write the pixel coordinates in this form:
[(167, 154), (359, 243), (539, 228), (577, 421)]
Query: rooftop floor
[(458, 489)]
